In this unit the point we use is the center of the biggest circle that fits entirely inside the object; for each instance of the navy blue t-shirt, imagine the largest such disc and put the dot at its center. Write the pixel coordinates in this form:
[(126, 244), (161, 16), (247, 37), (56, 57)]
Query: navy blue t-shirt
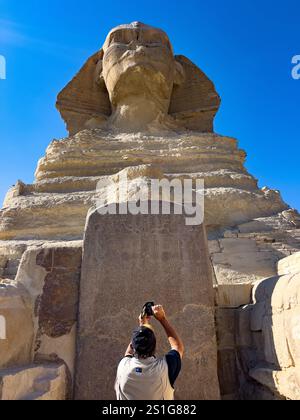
[(174, 364)]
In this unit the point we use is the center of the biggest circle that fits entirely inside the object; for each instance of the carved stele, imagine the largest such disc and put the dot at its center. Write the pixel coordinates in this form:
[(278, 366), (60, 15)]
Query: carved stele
[(129, 260)]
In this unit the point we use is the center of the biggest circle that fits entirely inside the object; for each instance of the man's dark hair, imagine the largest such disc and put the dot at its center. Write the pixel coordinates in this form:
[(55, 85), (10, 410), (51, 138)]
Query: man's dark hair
[(144, 342)]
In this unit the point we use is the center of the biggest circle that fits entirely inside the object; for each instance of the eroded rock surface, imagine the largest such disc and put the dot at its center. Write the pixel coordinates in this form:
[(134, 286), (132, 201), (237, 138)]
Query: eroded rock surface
[(16, 325), (259, 341), (136, 110), (39, 310), (128, 260), (46, 382)]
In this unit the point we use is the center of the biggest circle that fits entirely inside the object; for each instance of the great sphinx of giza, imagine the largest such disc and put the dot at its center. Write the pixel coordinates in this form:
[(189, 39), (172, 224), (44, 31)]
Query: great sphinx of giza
[(134, 104), (134, 83), (135, 109)]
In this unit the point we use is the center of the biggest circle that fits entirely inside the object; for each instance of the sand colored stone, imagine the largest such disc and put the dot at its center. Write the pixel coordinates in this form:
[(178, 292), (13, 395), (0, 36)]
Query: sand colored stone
[(40, 309), (16, 339), (135, 83), (127, 261), (136, 109), (46, 382), (263, 339), (50, 275)]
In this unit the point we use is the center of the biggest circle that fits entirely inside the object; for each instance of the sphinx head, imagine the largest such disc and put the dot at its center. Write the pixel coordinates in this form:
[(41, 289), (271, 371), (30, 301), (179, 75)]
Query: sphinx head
[(138, 65), (135, 82)]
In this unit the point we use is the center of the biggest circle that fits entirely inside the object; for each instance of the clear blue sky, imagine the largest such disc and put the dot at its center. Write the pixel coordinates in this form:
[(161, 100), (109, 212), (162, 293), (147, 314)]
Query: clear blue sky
[(244, 46)]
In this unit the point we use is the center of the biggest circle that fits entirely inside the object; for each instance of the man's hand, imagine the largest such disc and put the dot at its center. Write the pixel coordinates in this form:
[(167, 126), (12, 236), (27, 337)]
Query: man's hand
[(174, 339), (159, 313), (144, 321)]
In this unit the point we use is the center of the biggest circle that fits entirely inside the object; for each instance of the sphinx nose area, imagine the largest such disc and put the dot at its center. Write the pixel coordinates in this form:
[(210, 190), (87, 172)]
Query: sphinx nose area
[(141, 50), (137, 47)]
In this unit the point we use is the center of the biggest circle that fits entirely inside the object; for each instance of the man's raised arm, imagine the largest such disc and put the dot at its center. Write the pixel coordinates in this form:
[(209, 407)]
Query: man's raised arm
[(174, 339)]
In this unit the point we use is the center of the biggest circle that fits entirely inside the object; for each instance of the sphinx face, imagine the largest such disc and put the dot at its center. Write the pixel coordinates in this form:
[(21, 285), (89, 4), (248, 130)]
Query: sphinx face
[(138, 60)]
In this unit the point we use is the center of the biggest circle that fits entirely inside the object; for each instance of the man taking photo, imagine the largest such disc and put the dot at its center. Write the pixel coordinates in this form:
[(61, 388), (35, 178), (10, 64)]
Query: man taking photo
[(142, 376)]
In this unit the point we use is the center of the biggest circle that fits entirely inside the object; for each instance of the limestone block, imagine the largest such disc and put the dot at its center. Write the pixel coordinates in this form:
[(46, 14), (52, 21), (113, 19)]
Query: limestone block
[(230, 234), (67, 177), (95, 153), (230, 207), (288, 383), (225, 325), (14, 191), (213, 246), (259, 311), (10, 256), (276, 320), (243, 322), (292, 217), (51, 275), (254, 226), (292, 332), (60, 348), (241, 261), (276, 346), (127, 261), (285, 383), (226, 275), (289, 265), (16, 326), (236, 245), (34, 382), (247, 360), (283, 296), (291, 295), (267, 225), (269, 348), (227, 372), (262, 290), (265, 377), (276, 313), (57, 306), (258, 344), (233, 295), (242, 255)]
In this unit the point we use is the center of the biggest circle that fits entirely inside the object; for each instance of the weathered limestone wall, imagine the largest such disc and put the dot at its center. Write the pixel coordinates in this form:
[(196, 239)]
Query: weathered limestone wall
[(271, 353), (40, 308), (17, 326), (228, 298), (259, 340), (55, 206), (250, 251), (45, 382), (257, 325), (129, 260), (10, 256)]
